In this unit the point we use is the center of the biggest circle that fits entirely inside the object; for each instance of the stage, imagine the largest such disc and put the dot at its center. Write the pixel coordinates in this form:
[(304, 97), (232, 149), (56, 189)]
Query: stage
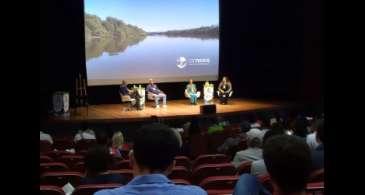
[(175, 109)]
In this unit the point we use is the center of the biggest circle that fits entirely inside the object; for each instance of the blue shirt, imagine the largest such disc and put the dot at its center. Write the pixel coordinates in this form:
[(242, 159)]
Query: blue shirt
[(154, 184), (123, 90), (152, 88)]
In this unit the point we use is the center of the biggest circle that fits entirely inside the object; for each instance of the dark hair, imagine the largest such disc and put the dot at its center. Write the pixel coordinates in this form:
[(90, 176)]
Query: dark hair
[(102, 138), (320, 129), (97, 159), (245, 126), (287, 159), (300, 126), (194, 127), (155, 147), (277, 129)]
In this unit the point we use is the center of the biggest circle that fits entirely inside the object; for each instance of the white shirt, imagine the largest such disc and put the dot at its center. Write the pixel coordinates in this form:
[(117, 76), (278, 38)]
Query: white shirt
[(46, 137), (88, 134), (251, 154), (258, 168), (311, 141)]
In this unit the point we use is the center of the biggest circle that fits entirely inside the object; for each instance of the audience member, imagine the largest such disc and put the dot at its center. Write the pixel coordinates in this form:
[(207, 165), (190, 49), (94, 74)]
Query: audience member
[(318, 152), (252, 153), (288, 162), (84, 133), (45, 137), (97, 161), (151, 165)]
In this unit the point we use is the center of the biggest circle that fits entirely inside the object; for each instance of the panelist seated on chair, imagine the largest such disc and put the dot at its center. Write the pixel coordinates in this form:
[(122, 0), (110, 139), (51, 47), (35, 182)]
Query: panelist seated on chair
[(191, 92), (224, 90), (154, 93), (128, 95)]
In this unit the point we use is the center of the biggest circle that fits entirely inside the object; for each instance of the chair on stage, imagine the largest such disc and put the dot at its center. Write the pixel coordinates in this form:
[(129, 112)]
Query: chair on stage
[(133, 101)]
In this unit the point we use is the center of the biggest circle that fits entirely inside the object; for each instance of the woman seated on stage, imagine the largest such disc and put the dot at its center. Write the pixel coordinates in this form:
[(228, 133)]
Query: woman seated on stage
[(224, 90), (191, 92)]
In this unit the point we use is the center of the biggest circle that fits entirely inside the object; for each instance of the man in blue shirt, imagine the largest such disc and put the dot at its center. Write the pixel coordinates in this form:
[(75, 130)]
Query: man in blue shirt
[(152, 158), (157, 93)]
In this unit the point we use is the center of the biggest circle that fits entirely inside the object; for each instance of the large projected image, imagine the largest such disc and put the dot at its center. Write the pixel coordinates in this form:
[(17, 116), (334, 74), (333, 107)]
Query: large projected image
[(167, 40)]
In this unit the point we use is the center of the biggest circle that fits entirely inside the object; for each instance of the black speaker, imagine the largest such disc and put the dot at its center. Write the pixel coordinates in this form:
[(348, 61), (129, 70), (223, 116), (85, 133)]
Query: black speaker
[(208, 109)]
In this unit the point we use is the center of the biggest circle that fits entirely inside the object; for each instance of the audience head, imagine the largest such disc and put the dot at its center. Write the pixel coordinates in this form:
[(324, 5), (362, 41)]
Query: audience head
[(102, 138), (154, 149), (288, 161), (97, 160), (300, 126), (117, 139), (151, 81), (245, 126), (277, 129)]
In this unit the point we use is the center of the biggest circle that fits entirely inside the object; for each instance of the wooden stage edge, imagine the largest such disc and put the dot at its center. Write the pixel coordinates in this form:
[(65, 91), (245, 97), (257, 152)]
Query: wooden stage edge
[(176, 109)]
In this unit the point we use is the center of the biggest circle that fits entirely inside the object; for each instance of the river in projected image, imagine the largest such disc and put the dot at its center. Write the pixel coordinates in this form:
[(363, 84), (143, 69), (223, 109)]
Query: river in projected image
[(152, 56)]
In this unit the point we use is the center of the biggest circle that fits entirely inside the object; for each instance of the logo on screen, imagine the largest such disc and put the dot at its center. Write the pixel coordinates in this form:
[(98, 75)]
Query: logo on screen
[(181, 62)]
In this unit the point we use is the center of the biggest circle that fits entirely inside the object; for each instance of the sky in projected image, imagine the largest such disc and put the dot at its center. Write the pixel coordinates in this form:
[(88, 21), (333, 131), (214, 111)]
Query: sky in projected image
[(138, 39)]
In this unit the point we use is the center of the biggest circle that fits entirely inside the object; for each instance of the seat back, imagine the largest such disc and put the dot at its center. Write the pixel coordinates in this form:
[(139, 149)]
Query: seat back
[(79, 167), (183, 161), (64, 143), (181, 182), (245, 167), (219, 182), (317, 176), (56, 154), (220, 192), (61, 178), (315, 188), (52, 166), (50, 190), (45, 159), (45, 146), (123, 164), (180, 172), (92, 188), (126, 173), (210, 159), (71, 160), (209, 170), (85, 144)]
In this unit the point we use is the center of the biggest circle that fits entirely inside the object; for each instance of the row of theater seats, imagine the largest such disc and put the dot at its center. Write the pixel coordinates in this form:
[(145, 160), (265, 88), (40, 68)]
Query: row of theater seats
[(212, 172)]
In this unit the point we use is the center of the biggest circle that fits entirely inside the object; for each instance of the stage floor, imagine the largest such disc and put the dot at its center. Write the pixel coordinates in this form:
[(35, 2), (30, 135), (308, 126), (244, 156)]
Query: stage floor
[(175, 108)]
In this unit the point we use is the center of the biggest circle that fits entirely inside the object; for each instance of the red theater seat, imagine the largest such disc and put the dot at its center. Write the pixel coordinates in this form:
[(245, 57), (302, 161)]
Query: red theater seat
[(45, 146), (45, 159), (63, 144), (180, 172), (315, 188), (71, 160), (56, 154), (183, 161), (181, 182), (92, 188), (61, 178), (127, 173), (266, 182), (210, 159), (220, 192), (52, 166), (317, 176), (219, 182), (245, 167), (50, 190), (209, 170), (85, 144), (123, 164), (79, 167)]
